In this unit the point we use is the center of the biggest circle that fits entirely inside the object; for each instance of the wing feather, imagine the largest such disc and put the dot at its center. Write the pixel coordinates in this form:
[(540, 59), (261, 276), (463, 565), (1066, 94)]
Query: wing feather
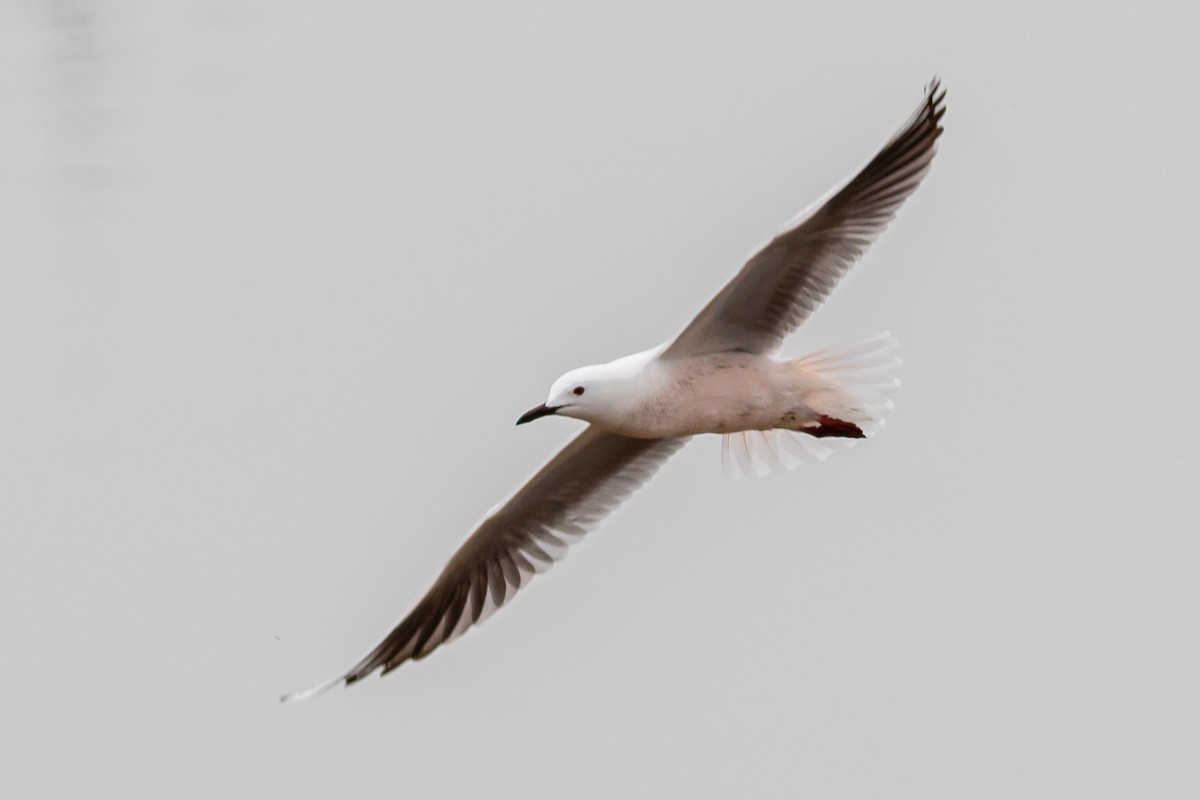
[(566, 498), (789, 277)]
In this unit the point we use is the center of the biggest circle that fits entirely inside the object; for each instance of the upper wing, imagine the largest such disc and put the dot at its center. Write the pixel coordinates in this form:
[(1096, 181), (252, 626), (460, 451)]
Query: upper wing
[(565, 499), (787, 279)]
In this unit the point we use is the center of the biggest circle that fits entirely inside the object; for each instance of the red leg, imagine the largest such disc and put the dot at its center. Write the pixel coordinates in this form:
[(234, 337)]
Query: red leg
[(835, 427)]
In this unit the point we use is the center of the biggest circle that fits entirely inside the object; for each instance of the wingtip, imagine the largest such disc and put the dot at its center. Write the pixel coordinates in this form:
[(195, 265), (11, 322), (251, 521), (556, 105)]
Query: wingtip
[(935, 97), (311, 691)]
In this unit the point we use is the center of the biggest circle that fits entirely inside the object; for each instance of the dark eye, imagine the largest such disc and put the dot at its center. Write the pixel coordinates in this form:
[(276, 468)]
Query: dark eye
[(578, 390)]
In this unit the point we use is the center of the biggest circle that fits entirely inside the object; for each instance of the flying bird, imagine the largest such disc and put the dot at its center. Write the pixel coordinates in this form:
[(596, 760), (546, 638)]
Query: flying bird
[(720, 375)]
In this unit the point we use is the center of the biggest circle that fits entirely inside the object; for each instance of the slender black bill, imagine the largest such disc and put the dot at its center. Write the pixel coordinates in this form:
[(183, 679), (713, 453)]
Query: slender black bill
[(541, 411)]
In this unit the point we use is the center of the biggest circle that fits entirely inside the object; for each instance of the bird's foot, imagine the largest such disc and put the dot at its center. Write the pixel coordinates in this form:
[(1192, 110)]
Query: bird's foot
[(834, 427)]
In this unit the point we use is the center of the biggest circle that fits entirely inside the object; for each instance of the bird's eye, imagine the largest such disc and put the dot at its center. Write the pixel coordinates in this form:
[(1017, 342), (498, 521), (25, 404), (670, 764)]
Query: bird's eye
[(578, 390)]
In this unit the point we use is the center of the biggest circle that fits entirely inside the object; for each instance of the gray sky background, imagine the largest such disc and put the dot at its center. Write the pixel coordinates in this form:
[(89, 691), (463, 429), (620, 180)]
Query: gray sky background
[(276, 279)]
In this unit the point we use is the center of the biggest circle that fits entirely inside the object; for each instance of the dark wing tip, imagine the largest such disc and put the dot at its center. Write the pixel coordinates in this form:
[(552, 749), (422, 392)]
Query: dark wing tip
[(935, 104)]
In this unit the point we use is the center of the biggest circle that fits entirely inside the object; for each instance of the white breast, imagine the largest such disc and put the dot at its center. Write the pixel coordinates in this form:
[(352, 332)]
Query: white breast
[(710, 394)]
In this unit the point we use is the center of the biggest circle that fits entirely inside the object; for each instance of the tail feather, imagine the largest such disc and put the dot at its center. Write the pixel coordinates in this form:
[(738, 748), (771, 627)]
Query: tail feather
[(864, 370), (760, 453)]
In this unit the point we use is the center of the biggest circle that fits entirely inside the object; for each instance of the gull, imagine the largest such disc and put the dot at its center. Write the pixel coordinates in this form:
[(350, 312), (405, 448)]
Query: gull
[(720, 375)]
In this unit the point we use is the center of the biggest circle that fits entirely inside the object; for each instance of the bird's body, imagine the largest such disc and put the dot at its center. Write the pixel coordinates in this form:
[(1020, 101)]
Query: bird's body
[(717, 393), (719, 375)]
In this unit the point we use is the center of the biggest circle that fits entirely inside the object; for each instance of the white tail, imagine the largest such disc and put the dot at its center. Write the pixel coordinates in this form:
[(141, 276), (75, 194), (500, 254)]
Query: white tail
[(865, 371)]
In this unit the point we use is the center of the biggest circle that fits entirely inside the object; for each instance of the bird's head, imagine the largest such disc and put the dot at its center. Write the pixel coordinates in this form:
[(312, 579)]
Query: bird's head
[(601, 393), (584, 393)]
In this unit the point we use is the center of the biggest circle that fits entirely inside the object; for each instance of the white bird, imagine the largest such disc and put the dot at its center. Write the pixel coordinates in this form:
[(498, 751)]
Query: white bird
[(720, 375)]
